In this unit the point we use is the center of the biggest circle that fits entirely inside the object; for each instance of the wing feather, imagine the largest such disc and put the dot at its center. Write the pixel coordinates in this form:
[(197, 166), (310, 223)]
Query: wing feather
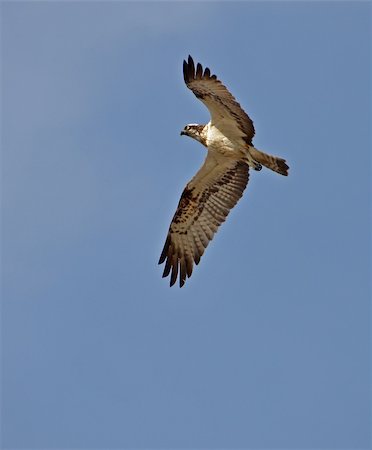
[(226, 113), (203, 207)]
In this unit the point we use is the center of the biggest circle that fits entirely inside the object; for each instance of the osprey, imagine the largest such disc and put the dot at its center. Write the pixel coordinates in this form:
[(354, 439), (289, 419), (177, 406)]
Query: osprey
[(218, 185)]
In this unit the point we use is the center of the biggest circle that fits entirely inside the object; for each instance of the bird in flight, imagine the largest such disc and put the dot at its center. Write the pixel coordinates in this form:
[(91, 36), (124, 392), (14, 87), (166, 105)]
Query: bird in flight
[(218, 185)]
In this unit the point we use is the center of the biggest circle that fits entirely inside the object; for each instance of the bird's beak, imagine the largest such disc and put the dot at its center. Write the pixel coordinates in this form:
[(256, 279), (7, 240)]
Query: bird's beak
[(182, 133)]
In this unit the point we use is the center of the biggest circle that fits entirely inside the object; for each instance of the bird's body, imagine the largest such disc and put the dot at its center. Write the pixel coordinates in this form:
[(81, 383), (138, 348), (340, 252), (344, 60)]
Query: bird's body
[(220, 182)]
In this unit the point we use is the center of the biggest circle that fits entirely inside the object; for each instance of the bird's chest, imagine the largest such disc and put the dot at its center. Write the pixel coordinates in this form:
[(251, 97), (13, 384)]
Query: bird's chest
[(220, 143)]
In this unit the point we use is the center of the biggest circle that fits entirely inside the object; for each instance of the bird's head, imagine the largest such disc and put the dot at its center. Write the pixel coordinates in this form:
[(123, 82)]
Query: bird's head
[(194, 131)]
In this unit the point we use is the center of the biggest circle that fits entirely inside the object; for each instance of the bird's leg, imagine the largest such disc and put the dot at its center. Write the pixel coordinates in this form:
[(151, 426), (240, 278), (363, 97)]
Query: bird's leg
[(252, 162)]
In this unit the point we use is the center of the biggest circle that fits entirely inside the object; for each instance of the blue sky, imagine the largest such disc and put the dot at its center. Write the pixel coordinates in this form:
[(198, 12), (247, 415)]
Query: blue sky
[(268, 344)]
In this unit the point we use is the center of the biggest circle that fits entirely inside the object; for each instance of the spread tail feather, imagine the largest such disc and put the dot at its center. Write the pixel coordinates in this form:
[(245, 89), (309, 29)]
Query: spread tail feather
[(271, 162)]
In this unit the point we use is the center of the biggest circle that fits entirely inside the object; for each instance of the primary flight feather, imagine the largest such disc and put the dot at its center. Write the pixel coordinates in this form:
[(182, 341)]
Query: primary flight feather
[(218, 185)]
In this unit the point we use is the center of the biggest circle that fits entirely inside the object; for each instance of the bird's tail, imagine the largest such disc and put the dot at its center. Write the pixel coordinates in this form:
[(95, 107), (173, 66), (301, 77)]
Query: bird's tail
[(271, 162)]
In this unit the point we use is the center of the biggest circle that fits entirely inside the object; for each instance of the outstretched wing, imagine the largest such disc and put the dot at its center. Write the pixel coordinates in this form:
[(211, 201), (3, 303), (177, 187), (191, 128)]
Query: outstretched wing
[(204, 205), (226, 113)]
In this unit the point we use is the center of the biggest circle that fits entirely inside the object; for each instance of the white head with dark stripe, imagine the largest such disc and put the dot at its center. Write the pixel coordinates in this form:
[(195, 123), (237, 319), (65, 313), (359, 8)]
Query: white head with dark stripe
[(195, 131)]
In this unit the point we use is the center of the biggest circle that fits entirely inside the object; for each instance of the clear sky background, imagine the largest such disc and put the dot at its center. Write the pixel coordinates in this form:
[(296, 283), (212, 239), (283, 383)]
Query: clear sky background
[(268, 344)]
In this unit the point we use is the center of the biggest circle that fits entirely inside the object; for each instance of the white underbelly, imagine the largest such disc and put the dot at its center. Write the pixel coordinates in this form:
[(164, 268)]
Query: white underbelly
[(218, 142)]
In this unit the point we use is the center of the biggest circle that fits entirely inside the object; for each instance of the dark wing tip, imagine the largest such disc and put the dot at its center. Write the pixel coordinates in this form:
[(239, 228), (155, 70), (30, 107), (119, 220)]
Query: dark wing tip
[(207, 73), (164, 253), (191, 67), (173, 265), (199, 72), (188, 70), (174, 273)]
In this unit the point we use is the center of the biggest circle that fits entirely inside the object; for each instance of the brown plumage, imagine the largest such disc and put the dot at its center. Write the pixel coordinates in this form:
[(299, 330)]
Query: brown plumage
[(220, 182), (203, 206), (220, 102)]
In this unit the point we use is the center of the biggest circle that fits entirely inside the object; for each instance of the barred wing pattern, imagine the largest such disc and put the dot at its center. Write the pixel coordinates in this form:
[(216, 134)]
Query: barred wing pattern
[(226, 113), (204, 205)]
